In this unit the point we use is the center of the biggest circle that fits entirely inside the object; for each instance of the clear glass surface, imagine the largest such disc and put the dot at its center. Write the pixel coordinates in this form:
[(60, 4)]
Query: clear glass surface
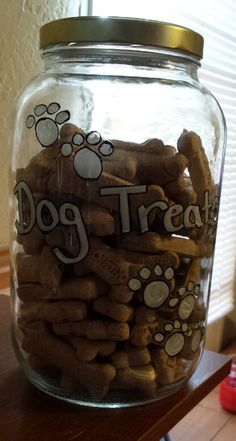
[(115, 186)]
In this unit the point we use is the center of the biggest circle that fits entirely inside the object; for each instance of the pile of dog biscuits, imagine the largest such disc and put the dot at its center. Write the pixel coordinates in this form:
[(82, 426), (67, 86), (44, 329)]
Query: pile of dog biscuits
[(130, 314)]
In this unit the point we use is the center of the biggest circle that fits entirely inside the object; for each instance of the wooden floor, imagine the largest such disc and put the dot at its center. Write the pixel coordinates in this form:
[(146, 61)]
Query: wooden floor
[(208, 420)]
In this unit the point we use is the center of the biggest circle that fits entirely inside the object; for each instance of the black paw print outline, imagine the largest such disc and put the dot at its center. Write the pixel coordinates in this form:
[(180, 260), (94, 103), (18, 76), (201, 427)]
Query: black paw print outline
[(174, 336), (46, 128), (87, 161), (155, 292), (185, 300)]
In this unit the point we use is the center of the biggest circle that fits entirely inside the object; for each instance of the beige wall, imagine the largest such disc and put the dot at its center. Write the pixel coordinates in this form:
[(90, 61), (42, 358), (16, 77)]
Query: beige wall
[(20, 21)]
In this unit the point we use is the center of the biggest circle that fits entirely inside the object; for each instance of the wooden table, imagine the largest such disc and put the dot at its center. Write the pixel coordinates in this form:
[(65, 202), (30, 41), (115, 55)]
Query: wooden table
[(26, 414)]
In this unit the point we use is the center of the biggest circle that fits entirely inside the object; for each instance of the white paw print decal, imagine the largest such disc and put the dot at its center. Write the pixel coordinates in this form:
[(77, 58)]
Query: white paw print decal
[(185, 300), (155, 292), (175, 335), (46, 129), (88, 161)]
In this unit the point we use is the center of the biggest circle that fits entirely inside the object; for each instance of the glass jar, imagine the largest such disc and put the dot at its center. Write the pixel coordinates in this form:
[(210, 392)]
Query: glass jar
[(116, 176)]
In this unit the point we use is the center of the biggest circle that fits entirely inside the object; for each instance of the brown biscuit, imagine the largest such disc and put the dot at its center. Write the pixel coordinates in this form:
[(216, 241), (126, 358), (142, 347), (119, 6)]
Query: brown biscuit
[(154, 243), (153, 146), (94, 329), (68, 130), (164, 259), (95, 377), (170, 369), (139, 377), (142, 335), (42, 366), (153, 193), (87, 350), (104, 261), (44, 269), (173, 188), (121, 164), (116, 311), (121, 294), (145, 315), (98, 220), (33, 242), (160, 170), (39, 170), (80, 269), (130, 357), (190, 145), (71, 310), (83, 288), (65, 237), (67, 181)]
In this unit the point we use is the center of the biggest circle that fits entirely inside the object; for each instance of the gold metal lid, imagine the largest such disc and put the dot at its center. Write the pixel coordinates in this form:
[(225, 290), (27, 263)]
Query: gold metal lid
[(89, 30)]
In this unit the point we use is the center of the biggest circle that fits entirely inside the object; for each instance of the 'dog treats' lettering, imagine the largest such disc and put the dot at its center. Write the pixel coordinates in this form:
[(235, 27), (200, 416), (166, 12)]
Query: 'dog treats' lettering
[(70, 214)]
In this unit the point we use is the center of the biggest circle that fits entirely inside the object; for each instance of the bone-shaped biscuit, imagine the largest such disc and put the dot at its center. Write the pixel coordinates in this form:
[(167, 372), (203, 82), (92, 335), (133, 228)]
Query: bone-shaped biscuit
[(94, 329), (33, 242), (56, 311), (160, 170), (169, 369), (44, 269), (104, 261), (130, 356), (83, 288), (137, 377), (154, 243), (95, 377), (88, 350), (116, 311), (152, 146), (190, 145)]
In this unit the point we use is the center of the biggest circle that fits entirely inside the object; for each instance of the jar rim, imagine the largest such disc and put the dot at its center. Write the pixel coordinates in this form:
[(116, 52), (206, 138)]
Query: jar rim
[(121, 30)]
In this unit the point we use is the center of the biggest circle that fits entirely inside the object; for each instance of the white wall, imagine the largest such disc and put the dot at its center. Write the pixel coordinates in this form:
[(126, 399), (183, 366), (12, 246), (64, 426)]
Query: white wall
[(20, 21)]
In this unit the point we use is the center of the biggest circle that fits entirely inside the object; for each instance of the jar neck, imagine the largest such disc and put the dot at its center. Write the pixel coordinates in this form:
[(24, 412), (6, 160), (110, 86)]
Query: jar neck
[(120, 60)]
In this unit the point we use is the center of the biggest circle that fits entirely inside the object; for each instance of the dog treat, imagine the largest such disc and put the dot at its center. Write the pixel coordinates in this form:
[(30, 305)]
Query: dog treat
[(160, 170), (33, 242), (165, 259), (114, 310), (144, 315), (39, 170), (88, 350), (190, 145), (98, 220), (142, 335), (80, 269), (169, 369), (44, 269), (83, 288), (140, 377), (121, 164), (72, 310), (105, 262), (110, 264), (65, 237), (154, 243), (93, 376), (154, 146), (130, 357), (68, 130), (94, 329), (121, 294)]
